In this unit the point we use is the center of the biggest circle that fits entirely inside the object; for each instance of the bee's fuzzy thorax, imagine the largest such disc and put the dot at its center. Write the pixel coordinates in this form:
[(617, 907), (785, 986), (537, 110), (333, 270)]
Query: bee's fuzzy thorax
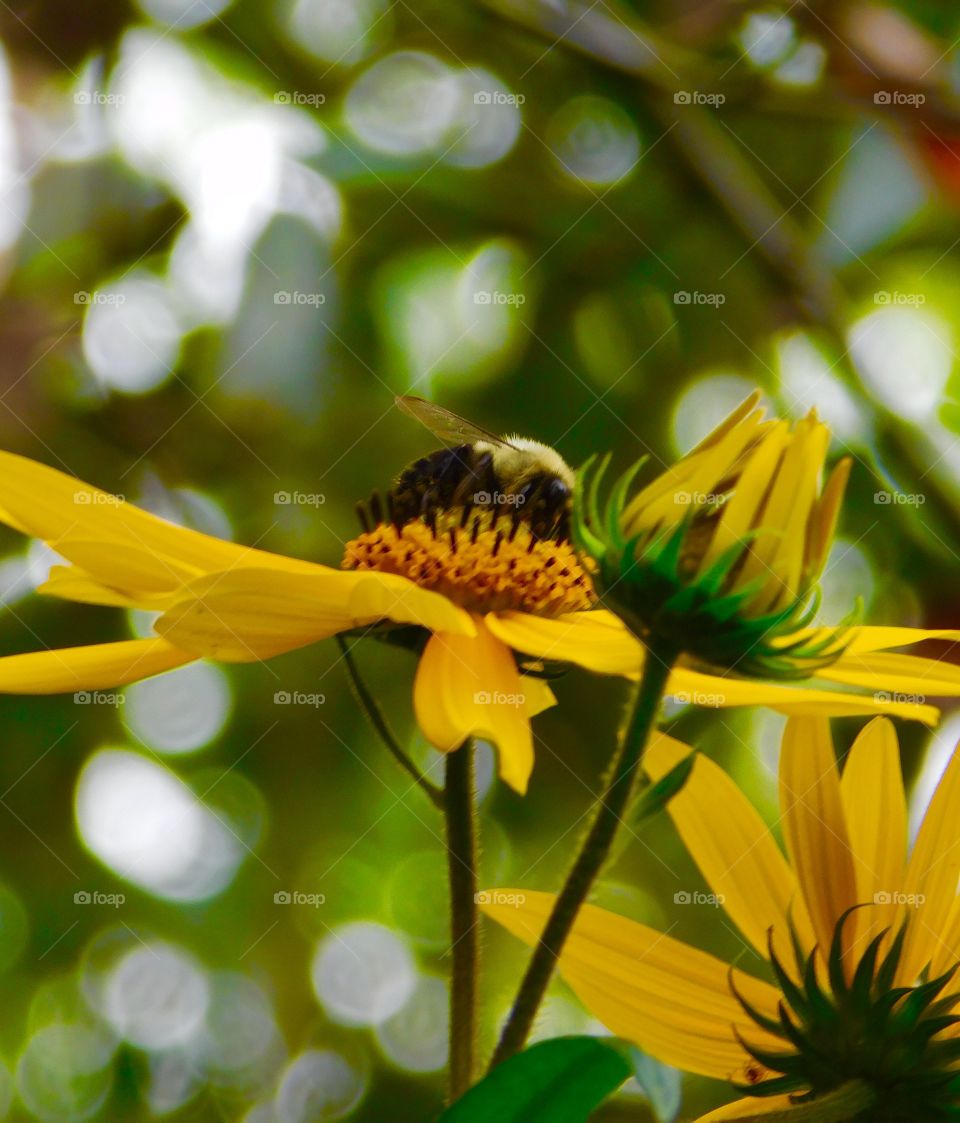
[(545, 458)]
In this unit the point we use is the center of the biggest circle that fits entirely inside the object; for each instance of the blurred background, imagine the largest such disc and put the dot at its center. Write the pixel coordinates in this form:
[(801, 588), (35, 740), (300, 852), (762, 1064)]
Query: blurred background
[(229, 234)]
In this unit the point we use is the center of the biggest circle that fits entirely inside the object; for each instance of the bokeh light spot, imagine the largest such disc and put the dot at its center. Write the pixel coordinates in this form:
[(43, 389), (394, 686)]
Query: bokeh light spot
[(594, 140), (339, 31), (847, 577), (156, 996), (131, 335), (180, 711), (363, 973), (405, 104), (184, 14), (704, 405), (241, 1037), (148, 826), (64, 1072), (489, 120), (890, 342), (807, 381), (415, 1038), (317, 1085)]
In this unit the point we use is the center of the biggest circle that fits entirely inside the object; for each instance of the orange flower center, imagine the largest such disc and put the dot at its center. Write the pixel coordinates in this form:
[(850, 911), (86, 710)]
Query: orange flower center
[(484, 562)]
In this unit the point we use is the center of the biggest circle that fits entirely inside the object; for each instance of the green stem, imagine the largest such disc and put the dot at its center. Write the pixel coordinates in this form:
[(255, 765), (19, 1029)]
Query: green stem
[(592, 855), (460, 813), (372, 709)]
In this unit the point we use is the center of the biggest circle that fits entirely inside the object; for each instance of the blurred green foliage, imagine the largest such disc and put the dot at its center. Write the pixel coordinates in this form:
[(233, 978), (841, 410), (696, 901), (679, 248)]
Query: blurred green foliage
[(230, 234)]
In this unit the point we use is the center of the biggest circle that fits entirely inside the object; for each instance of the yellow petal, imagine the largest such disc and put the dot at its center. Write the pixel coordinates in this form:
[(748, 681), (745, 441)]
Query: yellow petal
[(597, 640), (248, 614), (469, 686), (71, 583), (867, 638), (777, 1107), (947, 951), (932, 874), (659, 498), (702, 473), (49, 504), (875, 809), (537, 695), (387, 596), (734, 850), (849, 1101), (777, 554), (814, 827), (121, 566), (740, 512), (719, 690), (824, 520), (671, 999), (734, 418), (894, 674), (95, 667), (870, 638)]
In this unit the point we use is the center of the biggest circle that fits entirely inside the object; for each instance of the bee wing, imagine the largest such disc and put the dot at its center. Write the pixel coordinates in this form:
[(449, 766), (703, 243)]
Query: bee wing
[(448, 426)]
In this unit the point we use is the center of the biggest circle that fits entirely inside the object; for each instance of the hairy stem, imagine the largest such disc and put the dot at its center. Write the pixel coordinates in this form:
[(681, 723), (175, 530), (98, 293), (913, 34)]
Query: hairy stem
[(593, 853), (460, 813)]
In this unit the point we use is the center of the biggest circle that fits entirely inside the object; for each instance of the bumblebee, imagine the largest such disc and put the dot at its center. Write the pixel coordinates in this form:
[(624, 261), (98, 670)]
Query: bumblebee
[(522, 479)]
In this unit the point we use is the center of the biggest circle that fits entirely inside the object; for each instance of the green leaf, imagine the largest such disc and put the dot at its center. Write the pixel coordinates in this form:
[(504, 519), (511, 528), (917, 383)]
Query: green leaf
[(562, 1080), (654, 797), (660, 1083)]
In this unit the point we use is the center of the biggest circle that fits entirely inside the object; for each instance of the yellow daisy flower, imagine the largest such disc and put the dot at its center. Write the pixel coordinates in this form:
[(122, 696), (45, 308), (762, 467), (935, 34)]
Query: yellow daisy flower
[(223, 601), (482, 585), (861, 932), (715, 564)]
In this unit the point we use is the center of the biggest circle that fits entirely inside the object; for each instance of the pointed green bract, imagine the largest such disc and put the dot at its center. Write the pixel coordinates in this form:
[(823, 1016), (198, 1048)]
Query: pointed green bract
[(651, 581), (860, 1028)]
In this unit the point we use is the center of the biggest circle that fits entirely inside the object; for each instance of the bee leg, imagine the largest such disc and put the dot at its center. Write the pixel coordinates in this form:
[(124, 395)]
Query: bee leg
[(556, 498), (428, 502), (479, 481), (533, 507)]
